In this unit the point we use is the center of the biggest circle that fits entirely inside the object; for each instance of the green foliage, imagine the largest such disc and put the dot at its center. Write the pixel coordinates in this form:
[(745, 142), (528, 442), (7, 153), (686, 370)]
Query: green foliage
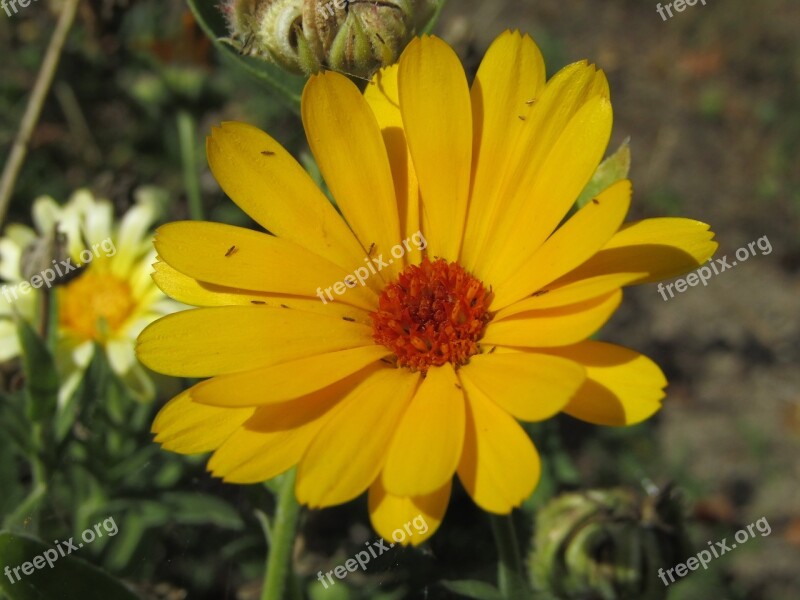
[(69, 577), (478, 590)]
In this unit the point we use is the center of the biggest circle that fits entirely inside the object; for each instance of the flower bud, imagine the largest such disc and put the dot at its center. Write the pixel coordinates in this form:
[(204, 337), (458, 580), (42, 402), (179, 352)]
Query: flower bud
[(607, 545), (356, 37)]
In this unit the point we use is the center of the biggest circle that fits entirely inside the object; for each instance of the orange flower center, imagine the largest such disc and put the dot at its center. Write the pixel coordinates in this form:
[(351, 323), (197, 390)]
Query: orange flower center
[(95, 304), (433, 313)]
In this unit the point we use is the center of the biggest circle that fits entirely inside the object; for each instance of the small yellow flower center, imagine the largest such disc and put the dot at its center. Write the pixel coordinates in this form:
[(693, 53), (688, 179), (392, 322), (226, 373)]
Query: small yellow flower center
[(433, 313), (95, 304)]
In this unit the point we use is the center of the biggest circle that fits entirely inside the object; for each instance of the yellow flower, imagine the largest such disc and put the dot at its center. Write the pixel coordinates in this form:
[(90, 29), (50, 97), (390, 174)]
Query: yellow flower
[(105, 294), (420, 373)]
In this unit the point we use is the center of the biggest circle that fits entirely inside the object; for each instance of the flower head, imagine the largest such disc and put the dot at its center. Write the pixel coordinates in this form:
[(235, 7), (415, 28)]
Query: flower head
[(418, 369), (99, 272)]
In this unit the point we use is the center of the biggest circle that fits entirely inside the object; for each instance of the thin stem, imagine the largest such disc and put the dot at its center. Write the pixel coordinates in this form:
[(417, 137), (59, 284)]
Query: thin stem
[(283, 532), (510, 575), (34, 109), (187, 137)]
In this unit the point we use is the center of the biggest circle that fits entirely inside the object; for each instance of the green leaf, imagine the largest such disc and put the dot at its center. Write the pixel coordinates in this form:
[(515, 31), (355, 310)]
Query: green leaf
[(202, 509), (65, 577), (14, 424), (286, 86), (611, 170), (479, 590), (41, 377)]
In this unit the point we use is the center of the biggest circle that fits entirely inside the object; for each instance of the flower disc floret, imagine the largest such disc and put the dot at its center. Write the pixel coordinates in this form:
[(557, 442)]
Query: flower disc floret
[(434, 313)]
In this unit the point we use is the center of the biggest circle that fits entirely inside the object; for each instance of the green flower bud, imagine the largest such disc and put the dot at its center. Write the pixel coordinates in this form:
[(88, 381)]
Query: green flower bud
[(607, 545), (356, 37)]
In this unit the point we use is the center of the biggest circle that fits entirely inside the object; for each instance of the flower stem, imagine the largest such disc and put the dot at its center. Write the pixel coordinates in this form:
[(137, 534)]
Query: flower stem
[(187, 138), (510, 575), (282, 540), (34, 108)]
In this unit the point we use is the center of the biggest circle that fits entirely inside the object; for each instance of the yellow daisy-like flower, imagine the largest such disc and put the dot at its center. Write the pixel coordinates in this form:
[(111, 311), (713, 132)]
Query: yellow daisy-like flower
[(420, 373), (107, 296)]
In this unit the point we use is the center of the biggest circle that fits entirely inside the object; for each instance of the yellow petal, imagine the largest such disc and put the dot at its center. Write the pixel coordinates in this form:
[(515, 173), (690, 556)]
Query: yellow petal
[(185, 427), (499, 466), (559, 326), (240, 258), (348, 453), (404, 519), (276, 436), (655, 248), (508, 83), (622, 387), (203, 342), (564, 173), (288, 380), (383, 98), (557, 294), (571, 245), (435, 104), (559, 102), (532, 387), (270, 186), (426, 447), (199, 293), (355, 166)]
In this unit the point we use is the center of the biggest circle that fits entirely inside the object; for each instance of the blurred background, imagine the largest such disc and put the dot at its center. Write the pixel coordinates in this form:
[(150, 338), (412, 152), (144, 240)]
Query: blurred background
[(711, 102)]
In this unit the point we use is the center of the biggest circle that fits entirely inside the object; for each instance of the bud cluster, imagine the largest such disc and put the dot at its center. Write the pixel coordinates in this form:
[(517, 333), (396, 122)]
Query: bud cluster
[(356, 37)]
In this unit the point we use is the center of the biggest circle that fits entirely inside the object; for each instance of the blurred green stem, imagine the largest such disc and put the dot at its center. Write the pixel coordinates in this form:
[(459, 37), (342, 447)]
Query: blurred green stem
[(282, 540), (35, 103), (187, 136), (510, 573)]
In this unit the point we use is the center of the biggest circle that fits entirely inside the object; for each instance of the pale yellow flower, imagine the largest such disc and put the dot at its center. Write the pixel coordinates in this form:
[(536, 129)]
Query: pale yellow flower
[(109, 296)]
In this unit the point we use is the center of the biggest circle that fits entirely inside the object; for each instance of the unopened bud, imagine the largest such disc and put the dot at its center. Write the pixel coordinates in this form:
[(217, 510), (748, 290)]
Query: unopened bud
[(607, 545), (356, 37)]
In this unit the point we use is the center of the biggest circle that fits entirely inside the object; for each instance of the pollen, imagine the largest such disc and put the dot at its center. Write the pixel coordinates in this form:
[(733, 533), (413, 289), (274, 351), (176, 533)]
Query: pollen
[(433, 313)]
